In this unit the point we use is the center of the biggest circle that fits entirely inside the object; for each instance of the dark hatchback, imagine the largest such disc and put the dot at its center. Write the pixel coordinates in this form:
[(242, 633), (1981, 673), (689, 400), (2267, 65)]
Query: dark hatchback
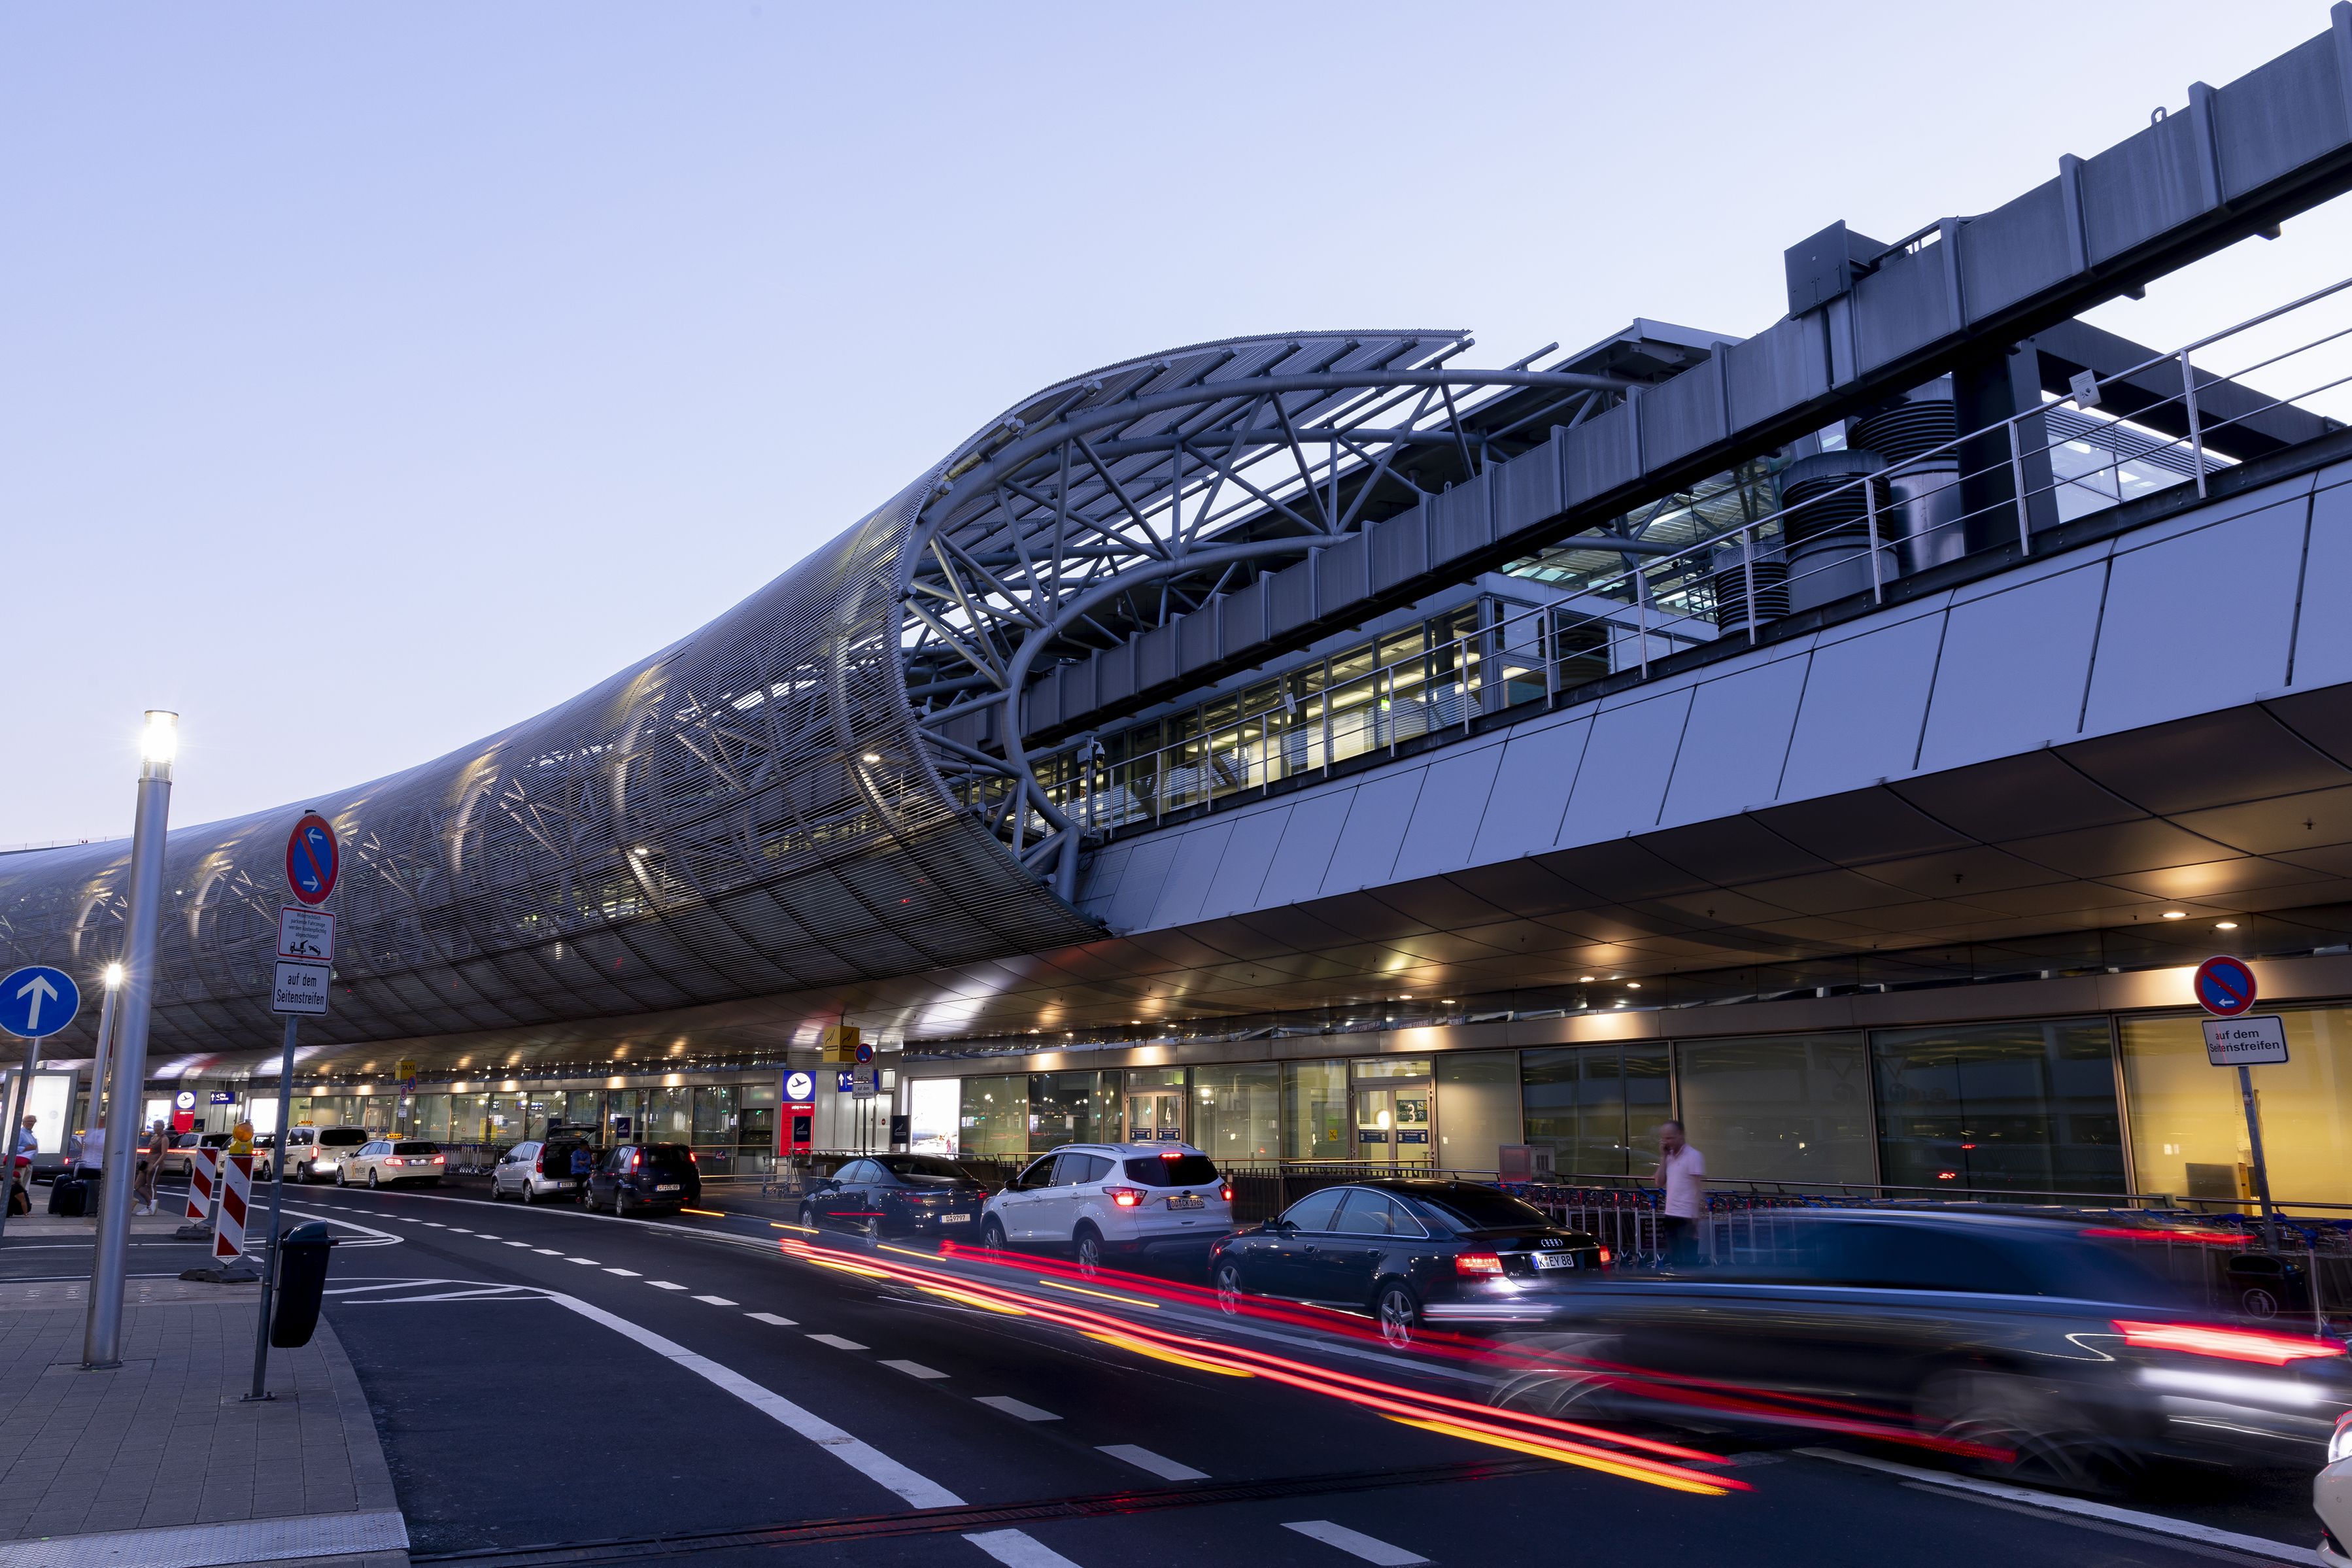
[(897, 1194), (642, 1178), (1409, 1252), (2063, 1350)]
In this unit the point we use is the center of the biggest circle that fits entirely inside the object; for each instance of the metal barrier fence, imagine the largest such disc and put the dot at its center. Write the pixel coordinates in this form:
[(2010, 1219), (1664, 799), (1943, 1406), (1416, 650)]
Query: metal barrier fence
[(1826, 541)]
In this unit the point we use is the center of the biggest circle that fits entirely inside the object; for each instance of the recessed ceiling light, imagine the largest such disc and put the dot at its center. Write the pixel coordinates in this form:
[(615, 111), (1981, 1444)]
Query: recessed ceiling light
[(1632, 986), (872, 757), (2225, 925), (1584, 980), (2176, 914)]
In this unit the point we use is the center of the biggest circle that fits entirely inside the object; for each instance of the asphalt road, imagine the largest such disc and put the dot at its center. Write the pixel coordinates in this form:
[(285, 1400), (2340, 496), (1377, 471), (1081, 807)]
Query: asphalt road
[(714, 1390)]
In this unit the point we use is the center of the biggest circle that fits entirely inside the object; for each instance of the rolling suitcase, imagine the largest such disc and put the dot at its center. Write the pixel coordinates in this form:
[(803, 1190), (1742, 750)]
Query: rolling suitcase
[(69, 1197)]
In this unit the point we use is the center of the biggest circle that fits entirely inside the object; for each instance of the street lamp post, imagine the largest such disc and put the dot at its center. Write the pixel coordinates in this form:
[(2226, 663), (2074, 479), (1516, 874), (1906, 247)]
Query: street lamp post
[(102, 1334), (113, 978)]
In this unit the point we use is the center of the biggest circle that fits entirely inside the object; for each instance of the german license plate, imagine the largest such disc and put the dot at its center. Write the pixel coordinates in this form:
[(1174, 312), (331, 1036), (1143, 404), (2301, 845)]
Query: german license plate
[(955, 1219), (1555, 1260), (1185, 1201), (666, 1187)]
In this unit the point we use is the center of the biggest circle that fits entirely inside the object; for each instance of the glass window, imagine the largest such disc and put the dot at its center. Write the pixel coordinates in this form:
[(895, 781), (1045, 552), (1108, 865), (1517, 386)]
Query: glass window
[(1787, 1107), (465, 1120), (669, 1115), (995, 1117), (1595, 1107), (1237, 1111), (1484, 1208), (1478, 1108), (1390, 1067), (1080, 1170), (1040, 1174), (1365, 1213), (1069, 1108), (2189, 1124), (1315, 1111), (1314, 1211), (2024, 1107), (1172, 1170), (714, 1116), (432, 1116)]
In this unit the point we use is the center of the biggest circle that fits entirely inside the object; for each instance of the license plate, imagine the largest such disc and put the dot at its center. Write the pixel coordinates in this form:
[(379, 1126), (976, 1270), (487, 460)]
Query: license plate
[(1185, 1201), (666, 1187), (955, 1219), (1555, 1260)]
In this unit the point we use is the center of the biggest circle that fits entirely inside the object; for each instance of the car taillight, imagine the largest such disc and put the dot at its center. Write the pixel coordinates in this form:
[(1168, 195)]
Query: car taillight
[(1125, 1198), (1607, 1258), (1477, 1263), (538, 1164), (440, 1158), (1227, 1192), (692, 1158), (2228, 1345)]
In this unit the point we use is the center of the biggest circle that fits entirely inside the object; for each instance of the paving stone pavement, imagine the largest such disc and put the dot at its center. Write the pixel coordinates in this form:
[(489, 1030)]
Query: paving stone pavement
[(164, 1440)]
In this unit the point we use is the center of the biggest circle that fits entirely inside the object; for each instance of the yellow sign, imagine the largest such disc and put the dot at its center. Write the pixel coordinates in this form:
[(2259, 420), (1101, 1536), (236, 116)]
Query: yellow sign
[(840, 1042), (405, 1069)]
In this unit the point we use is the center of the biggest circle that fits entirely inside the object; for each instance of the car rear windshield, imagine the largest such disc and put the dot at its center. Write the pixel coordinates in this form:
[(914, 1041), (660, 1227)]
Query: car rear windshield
[(669, 1157), (416, 1148), (925, 1170), (1172, 1170), (1483, 1208), (343, 1135)]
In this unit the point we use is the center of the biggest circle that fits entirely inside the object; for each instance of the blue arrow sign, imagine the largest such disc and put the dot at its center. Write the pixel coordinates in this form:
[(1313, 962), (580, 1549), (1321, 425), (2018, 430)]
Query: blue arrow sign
[(37, 1001)]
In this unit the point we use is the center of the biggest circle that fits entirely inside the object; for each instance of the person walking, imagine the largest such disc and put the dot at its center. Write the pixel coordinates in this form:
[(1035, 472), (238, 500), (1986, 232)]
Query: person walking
[(1681, 1173), (150, 1165)]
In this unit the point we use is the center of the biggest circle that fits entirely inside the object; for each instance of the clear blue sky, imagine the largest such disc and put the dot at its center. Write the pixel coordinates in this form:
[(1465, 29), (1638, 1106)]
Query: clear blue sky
[(373, 376)]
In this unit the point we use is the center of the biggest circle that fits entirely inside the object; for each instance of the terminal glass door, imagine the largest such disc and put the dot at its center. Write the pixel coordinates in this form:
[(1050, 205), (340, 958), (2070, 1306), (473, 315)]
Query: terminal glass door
[(1392, 1123), (1155, 1116)]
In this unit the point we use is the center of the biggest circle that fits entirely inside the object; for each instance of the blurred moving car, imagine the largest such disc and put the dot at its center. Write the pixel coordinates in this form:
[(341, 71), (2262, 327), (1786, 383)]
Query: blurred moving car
[(1099, 1200), (388, 1161), (2058, 1348), (317, 1153), (1408, 1251), (175, 1161), (642, 1178), (541, 1168), (897, 1194)]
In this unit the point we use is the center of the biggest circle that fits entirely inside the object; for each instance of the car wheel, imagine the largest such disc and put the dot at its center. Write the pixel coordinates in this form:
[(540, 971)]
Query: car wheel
[(372, 1181), (1228, 1280), (991, 1234), (2019, 1432), (343, 1177), (1398, 1310), (1087, 1244), (529, 1195), (620, 1203), (807, 1217)]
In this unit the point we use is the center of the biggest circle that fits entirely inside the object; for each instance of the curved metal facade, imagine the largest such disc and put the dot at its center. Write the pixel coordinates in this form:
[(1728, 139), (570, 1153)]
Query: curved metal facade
[(745, 813)]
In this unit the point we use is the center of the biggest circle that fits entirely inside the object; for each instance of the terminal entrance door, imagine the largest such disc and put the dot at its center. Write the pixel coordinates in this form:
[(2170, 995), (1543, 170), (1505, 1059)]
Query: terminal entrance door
[(1392, 1123), (1155, 1116)]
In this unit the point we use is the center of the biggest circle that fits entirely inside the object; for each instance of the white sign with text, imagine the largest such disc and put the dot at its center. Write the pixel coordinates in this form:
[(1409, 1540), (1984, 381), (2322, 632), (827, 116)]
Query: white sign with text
[(299, 988), (306, 936), (2250, 1042)]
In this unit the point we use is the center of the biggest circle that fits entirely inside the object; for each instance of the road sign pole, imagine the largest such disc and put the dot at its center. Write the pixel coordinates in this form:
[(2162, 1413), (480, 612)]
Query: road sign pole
[(2261, 1170), (17, 1099), (276, 1197), (102, 1333)]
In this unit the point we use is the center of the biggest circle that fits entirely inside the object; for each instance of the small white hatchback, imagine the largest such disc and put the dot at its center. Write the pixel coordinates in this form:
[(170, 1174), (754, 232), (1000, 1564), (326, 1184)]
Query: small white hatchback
[(1099, 1201)]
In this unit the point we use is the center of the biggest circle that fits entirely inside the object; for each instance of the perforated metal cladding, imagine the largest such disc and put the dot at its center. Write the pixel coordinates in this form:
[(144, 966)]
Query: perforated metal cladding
[(701, 827)]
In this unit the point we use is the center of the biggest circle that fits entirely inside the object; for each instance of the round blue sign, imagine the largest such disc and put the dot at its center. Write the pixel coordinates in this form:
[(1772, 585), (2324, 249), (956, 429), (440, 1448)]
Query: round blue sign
[(2224, 986), (37, 1001)]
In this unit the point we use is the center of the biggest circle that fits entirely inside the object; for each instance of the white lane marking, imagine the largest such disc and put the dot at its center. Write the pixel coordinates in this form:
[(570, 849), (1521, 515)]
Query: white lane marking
[(912, 1369), (456, 1230), (714, 1300), (626, 1273), (2153, 1523), (374, 1238), (1355, 1543), (663, 1284), (484, 1236), (1012, 1407), (436, 1224), (917, 1490), (548, 1251), (769, 1318), (517, 1244), (1166, 1469), (837, 1342), (1015, 1550), (589, 1261)]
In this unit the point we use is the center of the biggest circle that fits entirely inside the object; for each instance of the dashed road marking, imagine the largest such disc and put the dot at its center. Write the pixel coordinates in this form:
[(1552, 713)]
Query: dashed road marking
[(913, 1368), (548, 1251), (1015, 1550), (663, 1284), (626, 1273), (1160, 1465), (1355, 1543), (714, 1300), (769, 1318), (837, 1342), (589, 1261), (517, 1244), (1012, 1407)]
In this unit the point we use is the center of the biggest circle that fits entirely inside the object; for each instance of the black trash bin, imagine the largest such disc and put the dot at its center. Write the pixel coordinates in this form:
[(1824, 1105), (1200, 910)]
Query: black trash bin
[(2262, 1286), (301, 1280)]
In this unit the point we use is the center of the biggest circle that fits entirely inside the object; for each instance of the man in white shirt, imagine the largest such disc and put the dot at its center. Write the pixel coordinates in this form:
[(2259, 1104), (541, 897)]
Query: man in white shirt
[(1681, 1173), (93, 1163)]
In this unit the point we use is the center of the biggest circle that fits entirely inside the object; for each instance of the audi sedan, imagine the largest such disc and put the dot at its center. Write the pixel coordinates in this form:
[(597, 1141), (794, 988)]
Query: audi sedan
[(897, 1194), (1409, 1252)]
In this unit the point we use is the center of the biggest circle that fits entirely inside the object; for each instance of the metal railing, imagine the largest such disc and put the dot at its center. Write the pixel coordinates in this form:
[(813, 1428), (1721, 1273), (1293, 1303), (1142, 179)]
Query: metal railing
[(1830, 544)]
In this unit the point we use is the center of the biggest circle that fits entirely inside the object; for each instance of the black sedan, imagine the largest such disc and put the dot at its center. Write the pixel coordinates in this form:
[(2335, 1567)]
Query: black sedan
[(1409, 1252), (2071, 1350), (897, 1194)]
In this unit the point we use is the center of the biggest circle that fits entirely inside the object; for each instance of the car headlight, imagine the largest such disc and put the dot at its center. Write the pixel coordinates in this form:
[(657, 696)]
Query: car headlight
[(2339, 1447)]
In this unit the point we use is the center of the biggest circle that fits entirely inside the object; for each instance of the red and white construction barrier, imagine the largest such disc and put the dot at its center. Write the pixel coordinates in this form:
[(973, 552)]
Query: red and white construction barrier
[(236, 1196), (203, 1181)]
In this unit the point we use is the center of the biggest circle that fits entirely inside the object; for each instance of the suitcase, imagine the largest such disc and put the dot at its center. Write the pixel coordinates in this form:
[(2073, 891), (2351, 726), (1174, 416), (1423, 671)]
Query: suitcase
[(69, 1197)]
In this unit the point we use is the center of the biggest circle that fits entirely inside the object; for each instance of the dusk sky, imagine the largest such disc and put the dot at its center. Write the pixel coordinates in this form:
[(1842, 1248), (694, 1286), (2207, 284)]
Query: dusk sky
[(373, 376)]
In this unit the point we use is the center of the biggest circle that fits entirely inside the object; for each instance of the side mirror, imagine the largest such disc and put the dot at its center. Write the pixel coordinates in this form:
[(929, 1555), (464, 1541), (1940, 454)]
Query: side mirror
[(1281, 1227)]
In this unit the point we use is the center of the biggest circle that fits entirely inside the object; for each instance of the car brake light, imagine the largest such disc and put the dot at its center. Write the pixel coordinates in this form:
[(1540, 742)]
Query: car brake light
[(440, 1158), (1477, 1263), (2166, 1232), (2230, 1344), (1227, 1192), (538, 1164), (692, 1158), (1125, 1198), (1607, 1258)]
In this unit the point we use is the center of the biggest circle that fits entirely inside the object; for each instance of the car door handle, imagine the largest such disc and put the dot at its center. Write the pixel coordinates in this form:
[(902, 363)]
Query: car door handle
[(1310, 1250)]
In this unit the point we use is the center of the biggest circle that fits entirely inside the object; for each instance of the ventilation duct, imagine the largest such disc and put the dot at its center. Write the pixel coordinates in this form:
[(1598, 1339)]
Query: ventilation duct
[(1731, 572), (1826, 521), (1917, 437)]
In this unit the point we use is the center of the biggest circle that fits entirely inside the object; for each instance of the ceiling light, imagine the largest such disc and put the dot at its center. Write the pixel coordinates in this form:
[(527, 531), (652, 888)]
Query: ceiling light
[(872, 757), (2176, 914), (2225, 925), (1632, 986), (1584, 980)]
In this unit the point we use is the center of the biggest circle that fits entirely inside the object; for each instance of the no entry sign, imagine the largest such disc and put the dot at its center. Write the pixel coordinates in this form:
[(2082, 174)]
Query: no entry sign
[(2225, 987), (311, 859)]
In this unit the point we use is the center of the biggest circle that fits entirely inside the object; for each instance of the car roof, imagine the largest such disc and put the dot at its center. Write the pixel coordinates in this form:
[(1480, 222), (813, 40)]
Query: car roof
[(1124, 1150)]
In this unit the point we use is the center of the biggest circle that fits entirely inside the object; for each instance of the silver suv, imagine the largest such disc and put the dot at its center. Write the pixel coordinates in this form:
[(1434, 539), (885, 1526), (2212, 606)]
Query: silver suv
[(1102, 1200)]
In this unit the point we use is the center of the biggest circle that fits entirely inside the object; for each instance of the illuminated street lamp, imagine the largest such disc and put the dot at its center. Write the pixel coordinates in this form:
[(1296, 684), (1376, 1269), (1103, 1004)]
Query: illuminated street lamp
[(102, 1333), (113, 978)]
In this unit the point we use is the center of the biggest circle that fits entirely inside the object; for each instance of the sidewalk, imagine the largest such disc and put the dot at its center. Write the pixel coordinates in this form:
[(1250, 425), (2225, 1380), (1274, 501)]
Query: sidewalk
[(157, 1463)]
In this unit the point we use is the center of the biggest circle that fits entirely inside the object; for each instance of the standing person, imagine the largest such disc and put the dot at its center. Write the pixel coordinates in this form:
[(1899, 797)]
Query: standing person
[(92, 1162), (150, 1165), (1682, 1171), (20, 1164)]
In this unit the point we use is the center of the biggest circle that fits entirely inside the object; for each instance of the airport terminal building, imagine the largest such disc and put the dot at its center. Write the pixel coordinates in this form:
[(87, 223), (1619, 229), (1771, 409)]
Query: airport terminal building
[(1364, 745)]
